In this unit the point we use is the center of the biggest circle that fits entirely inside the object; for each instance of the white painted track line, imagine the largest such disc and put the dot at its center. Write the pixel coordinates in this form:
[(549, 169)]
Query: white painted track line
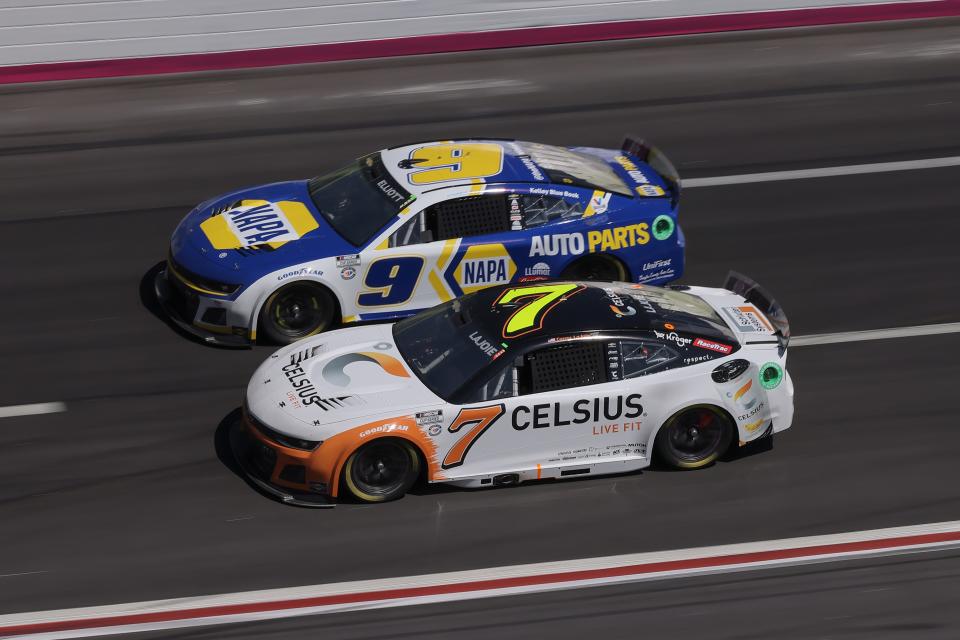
[(822, 172), (32, 409), (876, 334), (479, 583)]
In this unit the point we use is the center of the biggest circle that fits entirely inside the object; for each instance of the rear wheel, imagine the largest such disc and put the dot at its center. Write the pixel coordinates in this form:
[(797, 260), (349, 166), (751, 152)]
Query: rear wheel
[(596, 267), (296, 311), (694, 437), (382, 470)]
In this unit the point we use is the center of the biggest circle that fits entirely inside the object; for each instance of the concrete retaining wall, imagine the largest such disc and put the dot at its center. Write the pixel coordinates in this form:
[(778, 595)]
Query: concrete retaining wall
[(43, 31)]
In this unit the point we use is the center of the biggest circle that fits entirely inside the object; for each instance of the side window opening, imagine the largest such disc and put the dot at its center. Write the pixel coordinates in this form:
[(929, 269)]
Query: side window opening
[(413, 231), (563, 367), (643, 357), (502, 385), (540, 209), (553, 368), (469, 216)]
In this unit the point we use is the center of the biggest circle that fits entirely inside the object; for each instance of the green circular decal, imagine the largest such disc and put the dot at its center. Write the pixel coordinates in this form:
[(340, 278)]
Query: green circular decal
[(663, 227), (771, 375)]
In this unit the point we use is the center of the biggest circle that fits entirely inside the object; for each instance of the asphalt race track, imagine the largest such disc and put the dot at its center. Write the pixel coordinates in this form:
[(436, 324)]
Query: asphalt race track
[(127, 496)]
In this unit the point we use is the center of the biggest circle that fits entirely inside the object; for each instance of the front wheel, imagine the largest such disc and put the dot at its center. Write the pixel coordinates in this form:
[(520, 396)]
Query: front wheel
[(596, 267), (382, 470), (296, 311), (694, 437)]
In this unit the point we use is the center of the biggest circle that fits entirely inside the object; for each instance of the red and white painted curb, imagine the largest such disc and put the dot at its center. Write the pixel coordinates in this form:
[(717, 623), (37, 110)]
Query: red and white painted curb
[(481, 40), (482, 583)]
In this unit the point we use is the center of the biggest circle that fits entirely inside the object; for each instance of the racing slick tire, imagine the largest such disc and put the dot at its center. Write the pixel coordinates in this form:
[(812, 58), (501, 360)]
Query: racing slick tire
[(694, 437), (596, 267), (298, 310), (381, 470)]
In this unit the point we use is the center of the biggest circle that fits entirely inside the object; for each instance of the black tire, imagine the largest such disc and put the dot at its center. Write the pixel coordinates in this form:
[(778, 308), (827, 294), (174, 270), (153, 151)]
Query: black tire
[(596, 267), (694, 437), (296, 311), (381, 470)]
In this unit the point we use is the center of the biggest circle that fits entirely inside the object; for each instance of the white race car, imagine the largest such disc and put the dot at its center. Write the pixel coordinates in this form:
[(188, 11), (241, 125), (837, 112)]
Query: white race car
[(519, 383)]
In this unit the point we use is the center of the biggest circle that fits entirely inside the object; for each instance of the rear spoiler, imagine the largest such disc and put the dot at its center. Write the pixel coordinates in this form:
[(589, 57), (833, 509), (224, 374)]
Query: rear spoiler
[(760, 298), (658, 162)]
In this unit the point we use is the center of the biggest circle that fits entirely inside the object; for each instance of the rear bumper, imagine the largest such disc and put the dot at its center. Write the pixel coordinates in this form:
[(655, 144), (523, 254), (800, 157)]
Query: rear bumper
[(783, 404), (180, 304), (259, 462)]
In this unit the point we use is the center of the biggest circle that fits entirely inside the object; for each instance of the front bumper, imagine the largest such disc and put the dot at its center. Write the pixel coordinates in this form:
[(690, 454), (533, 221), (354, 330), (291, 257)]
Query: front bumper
[(181, 304), (259, 462)]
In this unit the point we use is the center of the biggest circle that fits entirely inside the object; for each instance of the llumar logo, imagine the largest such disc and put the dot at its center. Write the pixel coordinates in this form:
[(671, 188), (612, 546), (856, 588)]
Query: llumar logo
[(333, 371)]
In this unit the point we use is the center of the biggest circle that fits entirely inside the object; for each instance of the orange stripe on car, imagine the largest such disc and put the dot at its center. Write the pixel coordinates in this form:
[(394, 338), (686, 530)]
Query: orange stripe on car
[(759, 315), (742, 390), (390, 364)]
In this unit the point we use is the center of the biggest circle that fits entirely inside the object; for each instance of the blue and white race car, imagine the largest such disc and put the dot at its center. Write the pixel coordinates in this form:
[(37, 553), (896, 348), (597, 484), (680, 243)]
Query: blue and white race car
[(408, 227)]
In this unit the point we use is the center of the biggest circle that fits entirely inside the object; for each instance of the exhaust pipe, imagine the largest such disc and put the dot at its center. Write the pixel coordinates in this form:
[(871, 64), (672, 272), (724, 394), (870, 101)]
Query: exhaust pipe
[(506, 479)]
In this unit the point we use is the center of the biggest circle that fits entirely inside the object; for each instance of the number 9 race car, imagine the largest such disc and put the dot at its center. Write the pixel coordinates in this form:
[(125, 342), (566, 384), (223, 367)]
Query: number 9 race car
[(408, 227), (518, 383)]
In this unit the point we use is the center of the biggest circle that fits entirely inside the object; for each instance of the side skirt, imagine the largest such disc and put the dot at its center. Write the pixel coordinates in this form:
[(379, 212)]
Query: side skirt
[(569, 469)]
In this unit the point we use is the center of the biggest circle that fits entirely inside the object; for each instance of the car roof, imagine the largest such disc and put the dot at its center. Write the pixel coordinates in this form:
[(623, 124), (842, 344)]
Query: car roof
[(586, 308), (501, 161)]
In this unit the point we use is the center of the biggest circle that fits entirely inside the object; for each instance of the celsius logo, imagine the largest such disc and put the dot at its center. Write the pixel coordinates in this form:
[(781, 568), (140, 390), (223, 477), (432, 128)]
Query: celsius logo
[(619, 307), (333, 370)]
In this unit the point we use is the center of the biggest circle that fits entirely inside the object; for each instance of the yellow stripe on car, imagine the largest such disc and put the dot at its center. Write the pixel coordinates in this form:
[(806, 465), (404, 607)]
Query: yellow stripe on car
[(191, 285), (437, 285), (218, 231)]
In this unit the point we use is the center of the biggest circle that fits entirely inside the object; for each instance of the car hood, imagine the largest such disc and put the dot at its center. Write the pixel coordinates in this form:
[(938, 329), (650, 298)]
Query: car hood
[(242, 235), (317, 387)]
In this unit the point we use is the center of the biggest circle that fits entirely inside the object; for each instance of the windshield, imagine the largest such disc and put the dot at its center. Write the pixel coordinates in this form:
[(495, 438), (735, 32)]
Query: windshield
[(359, 199), (445, 347), (572, 167)]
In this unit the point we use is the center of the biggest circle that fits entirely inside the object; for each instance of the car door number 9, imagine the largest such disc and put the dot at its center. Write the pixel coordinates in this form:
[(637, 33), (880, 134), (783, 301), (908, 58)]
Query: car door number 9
[(390, 281)]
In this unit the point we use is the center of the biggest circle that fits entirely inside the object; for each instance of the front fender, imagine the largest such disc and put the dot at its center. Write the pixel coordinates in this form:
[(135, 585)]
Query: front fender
[(332, 455), (270, 284)]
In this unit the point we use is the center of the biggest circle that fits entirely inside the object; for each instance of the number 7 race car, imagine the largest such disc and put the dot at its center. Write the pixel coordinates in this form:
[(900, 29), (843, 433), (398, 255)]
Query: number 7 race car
[(519, 383), (408, 227)]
